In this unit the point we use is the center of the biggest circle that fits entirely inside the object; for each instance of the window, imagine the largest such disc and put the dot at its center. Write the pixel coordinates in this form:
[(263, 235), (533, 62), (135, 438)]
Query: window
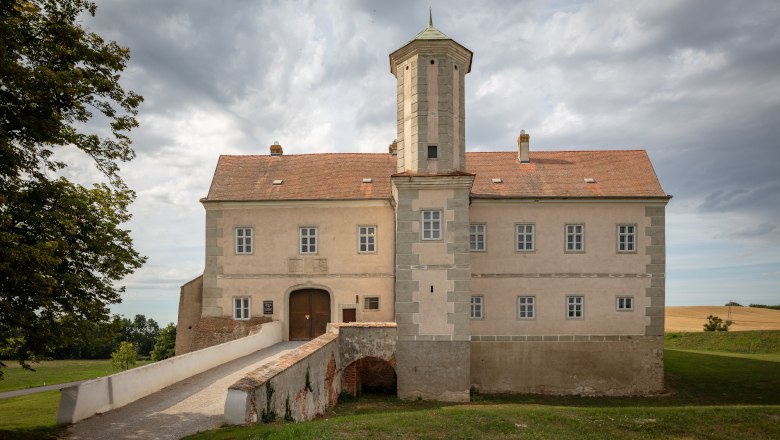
[(366, 239), (241, 308), (433, 152), (308, 240), (243, 240), (574, 307), (625, 303), (525, 307), (431, 225), (575, 238), (525, 237), (371, 303), (476, 307), (477, 237), (626, 238)]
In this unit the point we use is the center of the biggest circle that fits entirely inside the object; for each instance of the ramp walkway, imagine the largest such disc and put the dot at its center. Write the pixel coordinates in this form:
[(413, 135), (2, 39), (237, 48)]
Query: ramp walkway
[(184, 408)]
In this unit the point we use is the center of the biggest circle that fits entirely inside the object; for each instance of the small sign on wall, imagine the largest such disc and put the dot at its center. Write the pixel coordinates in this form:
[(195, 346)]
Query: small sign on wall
[(268, 307)]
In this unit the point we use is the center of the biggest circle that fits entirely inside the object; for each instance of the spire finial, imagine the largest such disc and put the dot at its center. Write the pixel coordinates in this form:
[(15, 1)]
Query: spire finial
[(430, 16)]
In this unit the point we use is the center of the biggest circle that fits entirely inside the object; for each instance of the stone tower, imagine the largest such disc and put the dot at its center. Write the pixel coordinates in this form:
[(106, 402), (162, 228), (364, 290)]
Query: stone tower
[(431, 192)]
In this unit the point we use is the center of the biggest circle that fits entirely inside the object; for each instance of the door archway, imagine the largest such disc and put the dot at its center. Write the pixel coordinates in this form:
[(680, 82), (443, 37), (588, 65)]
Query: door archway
[(309, 313)]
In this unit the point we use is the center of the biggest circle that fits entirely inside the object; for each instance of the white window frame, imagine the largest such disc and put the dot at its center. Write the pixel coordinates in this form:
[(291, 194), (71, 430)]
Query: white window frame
[(624, 303), (477, 308), (431, 225), (626, 238), (528, 230), (575, 307), (244, 244), (478, 238), (526, 305), (307, 241), (571, 232), (242, 307), (366, 239), (370, 299)]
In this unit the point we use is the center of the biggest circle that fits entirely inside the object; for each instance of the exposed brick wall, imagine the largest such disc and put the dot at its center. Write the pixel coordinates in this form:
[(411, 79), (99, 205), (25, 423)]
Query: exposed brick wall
[(375, 376), (349, 383), (369, 375), (217, 330)]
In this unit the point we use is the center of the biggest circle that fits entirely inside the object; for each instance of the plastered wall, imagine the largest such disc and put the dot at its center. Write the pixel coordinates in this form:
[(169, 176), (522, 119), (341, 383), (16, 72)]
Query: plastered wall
[(276, 267)]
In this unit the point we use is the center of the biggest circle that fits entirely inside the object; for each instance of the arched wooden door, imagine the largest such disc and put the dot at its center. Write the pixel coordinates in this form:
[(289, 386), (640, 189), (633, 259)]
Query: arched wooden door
[(309, 313)]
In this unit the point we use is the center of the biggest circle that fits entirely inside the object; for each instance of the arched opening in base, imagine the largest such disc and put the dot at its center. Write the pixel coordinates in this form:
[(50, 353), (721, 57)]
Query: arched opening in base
[(369, 375)]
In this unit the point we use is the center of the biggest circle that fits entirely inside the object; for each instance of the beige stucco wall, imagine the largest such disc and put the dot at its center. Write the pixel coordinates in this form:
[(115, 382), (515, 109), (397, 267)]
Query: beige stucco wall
[(267, 273), (548, 273)]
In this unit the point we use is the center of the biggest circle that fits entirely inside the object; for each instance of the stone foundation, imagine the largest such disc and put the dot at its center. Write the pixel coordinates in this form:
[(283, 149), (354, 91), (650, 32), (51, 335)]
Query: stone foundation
[(433, 370), (598, 366)]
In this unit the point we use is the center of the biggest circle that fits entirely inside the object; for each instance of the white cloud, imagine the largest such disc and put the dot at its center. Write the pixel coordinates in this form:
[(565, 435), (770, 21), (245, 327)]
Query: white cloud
[(697, 85)]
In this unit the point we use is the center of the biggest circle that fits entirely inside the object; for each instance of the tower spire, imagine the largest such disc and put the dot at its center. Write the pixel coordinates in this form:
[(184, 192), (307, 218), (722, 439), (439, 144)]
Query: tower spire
[(430, 16)]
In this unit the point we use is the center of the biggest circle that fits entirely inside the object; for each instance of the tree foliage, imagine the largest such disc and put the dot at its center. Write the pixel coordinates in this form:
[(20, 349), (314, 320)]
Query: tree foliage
[(141, 332), (715, 324), (165, 346), (62, 247), (125, 356)]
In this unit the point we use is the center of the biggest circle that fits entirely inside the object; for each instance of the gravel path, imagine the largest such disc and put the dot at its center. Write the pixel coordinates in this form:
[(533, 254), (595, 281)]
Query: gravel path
[(184, 408)]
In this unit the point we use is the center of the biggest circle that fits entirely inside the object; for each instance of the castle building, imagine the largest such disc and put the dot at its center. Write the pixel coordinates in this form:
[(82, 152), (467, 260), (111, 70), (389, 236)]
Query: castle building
[(523, 271)]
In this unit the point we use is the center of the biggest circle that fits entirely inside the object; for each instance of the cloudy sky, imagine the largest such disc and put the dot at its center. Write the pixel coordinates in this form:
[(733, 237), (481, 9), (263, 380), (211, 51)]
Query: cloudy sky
[(695, 83)]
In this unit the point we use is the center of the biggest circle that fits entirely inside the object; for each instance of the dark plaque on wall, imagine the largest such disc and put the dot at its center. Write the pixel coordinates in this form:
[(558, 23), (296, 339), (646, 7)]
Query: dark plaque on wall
[(268, 307)]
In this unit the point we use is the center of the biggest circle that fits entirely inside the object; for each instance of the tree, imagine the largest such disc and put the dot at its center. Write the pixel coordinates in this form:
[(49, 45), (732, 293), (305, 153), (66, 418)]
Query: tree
[(715, 324), (141, 332), (125, 356), (62, 248), (103, 339), (165, 346)]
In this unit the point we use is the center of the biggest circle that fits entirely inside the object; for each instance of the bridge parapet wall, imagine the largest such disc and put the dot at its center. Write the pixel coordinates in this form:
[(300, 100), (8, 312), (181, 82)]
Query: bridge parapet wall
[(306, 382), (367, 339), (110, 392)]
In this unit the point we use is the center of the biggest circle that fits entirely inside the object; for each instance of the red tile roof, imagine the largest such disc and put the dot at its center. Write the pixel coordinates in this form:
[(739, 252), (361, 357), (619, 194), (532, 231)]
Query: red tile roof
[(617, 173), (339, 176)]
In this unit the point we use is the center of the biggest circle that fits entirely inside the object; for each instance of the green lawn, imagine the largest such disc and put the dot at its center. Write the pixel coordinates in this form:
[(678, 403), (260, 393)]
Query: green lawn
[(750, 342), (54, 372), (34, 416)]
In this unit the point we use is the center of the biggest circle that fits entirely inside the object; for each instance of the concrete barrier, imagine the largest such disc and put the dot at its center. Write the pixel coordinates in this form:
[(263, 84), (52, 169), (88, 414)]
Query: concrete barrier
[(106, 393)]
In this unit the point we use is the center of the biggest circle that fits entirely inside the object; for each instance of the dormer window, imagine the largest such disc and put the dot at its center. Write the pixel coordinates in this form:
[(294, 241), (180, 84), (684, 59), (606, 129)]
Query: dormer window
[(433, 152)]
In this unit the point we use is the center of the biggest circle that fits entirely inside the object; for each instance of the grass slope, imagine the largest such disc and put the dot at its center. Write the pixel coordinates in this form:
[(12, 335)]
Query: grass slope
[(749, 342)]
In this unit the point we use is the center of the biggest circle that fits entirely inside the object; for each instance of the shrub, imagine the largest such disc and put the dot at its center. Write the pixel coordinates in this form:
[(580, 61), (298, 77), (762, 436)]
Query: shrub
[(125, 356), (715, 324)]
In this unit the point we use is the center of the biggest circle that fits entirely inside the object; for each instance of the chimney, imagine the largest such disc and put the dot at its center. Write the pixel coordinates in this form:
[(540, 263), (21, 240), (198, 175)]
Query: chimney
[(523, 142), (276, 149), (393, 150)]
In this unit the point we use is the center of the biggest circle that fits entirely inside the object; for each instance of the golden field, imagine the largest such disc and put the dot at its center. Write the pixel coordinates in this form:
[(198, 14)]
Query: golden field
[(692, 318)]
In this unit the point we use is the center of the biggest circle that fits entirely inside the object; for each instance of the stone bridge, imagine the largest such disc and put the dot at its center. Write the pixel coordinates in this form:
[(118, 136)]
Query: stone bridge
[(348, 358)]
